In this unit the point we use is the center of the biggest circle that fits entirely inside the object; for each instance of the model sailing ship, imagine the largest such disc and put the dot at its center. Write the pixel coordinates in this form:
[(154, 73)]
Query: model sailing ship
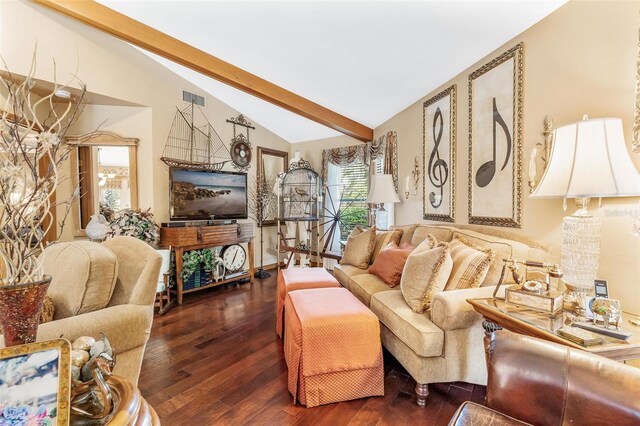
[(190, 146)]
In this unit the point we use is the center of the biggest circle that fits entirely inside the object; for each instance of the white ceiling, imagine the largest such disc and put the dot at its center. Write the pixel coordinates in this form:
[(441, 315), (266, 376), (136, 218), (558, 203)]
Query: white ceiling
[(367, 60)]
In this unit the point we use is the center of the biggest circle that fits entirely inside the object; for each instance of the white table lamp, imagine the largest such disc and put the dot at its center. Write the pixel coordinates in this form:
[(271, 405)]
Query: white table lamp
[(588, 159), (381, 190)]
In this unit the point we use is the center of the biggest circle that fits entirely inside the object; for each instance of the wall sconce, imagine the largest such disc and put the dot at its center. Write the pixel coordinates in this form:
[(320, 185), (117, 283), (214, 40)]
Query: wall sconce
[(542, 149), (408, 184)]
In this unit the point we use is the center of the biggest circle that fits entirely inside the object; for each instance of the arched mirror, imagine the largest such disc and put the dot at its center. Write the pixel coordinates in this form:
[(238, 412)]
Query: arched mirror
[(104, 168)]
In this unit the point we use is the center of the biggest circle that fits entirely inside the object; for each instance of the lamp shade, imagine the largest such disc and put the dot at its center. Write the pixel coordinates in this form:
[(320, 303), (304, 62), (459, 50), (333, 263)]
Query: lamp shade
[(589, 159), (382, 190)]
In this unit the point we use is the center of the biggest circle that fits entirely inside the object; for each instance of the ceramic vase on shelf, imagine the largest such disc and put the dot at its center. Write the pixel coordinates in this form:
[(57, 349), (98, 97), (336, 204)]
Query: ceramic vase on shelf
[(20, 307)]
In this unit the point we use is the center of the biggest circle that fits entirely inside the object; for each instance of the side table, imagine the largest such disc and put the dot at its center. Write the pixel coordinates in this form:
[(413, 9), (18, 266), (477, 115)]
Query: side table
[(499, 314)]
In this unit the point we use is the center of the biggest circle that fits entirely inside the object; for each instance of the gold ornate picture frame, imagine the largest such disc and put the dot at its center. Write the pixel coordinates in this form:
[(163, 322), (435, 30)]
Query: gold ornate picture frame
[(35, 382), (439, 156), (495, 140)]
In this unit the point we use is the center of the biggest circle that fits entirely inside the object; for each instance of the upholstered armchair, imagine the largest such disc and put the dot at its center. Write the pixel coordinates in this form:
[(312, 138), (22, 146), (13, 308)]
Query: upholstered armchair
[(104, 288), (532, 381)]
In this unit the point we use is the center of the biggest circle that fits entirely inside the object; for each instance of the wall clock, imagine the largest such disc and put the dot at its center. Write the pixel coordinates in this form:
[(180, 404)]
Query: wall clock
[(233, 258), (240, 145), (241, 152)]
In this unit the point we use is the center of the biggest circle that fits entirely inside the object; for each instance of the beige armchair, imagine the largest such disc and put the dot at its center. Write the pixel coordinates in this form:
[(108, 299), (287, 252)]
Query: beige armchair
[(123, 274)]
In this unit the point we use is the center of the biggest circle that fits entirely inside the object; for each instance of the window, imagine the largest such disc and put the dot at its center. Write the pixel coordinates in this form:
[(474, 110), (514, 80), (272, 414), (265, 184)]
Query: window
[(349, 187)]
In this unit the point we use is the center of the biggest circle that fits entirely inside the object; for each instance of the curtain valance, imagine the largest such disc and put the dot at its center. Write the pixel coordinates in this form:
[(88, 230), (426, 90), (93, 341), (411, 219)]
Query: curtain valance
[(384, 147)]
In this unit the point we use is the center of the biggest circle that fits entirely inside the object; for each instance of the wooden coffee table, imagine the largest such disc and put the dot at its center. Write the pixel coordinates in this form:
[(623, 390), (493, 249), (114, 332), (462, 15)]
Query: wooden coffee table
[(499, 314)]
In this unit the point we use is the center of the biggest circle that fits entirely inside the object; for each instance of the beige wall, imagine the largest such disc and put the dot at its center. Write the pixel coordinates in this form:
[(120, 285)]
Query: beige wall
[(581, 59), (113, 68)]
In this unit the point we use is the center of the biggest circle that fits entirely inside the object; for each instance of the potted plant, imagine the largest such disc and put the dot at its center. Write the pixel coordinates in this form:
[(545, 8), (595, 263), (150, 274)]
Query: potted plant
[(196, 263), (135, 223), (32, 128)]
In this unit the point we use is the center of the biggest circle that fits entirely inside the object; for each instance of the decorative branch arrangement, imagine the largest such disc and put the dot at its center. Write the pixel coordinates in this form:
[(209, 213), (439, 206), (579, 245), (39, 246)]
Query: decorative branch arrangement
[(262, 199), (32, 128), (262, 205)]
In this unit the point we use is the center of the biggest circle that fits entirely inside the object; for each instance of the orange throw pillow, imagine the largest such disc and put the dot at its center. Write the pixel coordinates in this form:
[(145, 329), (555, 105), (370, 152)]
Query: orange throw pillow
[(390, 262)]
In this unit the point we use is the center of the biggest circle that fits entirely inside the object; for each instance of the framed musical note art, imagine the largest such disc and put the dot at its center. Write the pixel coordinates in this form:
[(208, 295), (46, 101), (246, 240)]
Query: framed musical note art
[(439, 156), (495, 141)]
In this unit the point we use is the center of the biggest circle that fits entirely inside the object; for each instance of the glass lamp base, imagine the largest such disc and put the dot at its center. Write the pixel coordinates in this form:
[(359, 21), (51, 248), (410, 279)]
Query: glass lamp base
[(581, 250)]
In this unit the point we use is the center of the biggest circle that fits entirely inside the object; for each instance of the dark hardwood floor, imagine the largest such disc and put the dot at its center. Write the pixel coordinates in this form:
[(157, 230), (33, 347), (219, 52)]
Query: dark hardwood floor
[(216, 360)]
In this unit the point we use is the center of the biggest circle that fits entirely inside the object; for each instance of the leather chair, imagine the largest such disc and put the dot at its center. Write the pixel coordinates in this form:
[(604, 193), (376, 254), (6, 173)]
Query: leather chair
[(532, 381)]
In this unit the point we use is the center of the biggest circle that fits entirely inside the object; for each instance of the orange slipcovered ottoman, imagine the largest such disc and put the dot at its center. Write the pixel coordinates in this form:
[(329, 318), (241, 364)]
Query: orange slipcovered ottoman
[(299, 279), (332, 347)]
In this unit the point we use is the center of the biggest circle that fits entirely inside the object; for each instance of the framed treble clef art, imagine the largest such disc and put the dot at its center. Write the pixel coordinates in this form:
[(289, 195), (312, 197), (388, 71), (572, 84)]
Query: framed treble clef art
[(495, 141), (439, 156)]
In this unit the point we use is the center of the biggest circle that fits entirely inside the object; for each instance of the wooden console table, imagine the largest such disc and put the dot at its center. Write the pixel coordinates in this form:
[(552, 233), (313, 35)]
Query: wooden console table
[(200, 237), (499, 314)]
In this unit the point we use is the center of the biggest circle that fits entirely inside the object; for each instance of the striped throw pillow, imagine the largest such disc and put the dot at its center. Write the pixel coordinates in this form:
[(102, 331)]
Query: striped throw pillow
[(470, 264)]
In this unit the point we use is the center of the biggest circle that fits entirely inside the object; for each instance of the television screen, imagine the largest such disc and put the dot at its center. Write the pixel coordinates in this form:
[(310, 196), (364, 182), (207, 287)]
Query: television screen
[(197, 194)]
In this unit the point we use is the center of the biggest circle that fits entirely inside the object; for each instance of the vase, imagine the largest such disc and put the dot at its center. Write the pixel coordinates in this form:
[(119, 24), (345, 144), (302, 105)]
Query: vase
[(20, 307)]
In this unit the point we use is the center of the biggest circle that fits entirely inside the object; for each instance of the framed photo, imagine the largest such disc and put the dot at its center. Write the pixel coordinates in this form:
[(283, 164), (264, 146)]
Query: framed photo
[(439, 156), (495, 141), (35, 383), (271, 163)]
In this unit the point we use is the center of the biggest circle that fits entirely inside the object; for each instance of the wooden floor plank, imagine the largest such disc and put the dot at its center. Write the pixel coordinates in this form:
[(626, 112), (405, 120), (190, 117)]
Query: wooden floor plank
[(217, 360)]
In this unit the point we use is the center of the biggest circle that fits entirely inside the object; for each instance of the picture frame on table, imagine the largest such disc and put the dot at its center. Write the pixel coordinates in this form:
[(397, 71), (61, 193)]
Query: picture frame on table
[(495, 140), (271, 163), (35, 383), (439, 156)]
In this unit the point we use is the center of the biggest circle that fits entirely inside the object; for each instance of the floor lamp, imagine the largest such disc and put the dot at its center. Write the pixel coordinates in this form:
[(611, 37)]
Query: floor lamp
[(588, 159)]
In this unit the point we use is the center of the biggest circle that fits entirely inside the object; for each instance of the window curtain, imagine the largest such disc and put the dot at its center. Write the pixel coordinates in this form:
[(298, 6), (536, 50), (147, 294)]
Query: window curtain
[(385, 146)]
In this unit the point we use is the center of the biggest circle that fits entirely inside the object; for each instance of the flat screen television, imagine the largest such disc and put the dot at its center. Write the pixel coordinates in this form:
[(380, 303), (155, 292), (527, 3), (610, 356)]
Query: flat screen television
[(199, 194)]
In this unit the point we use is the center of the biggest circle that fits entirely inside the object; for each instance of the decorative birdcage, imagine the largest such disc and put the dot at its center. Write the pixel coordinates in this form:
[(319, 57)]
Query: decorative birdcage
[(300, 193), (300, 201)]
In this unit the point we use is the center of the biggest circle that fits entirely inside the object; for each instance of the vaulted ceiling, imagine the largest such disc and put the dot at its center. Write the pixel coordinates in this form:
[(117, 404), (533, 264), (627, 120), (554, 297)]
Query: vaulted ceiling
[(365, 60)]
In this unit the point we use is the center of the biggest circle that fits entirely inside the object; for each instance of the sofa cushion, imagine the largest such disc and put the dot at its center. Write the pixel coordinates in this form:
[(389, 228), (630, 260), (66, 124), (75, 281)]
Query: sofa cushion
[(425, 273), (383, 238), (83, 277), (505, 249), (470, 264), (407, 233), (363, 286), (415, 330), (343, 272), (390, 262), (359, 247), (441, 233)]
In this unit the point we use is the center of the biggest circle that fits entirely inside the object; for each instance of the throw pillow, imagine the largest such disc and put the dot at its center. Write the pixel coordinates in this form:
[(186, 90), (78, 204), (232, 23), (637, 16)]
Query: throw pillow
[(425, 273), (390, 262), (359, 247), (83, 275), (470, 264), (407, 232), (383, 238)]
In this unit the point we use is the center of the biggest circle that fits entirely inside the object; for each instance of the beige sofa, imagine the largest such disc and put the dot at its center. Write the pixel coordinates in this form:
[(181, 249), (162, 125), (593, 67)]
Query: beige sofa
[(445, 344), (122, 271)]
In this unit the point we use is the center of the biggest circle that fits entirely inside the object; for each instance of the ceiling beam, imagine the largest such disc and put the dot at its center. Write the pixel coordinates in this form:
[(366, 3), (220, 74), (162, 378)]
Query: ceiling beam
[(118, 25)]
